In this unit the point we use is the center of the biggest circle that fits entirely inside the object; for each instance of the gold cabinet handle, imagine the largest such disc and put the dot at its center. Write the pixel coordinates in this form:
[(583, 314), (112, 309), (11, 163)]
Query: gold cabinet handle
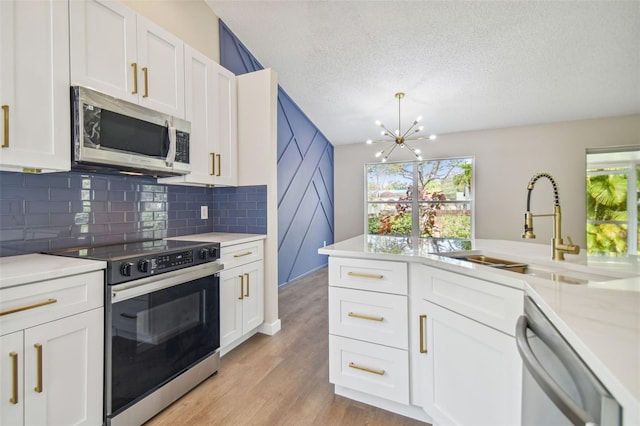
[(219, 166), (38, 387), (14, 378), (366, 317), (247, 253), (423, 324), (241, 287), (213, 163), (368, 370), (5, 140), (247, 293), (135, 78), (26, 308), (358, 274), (145, 72)]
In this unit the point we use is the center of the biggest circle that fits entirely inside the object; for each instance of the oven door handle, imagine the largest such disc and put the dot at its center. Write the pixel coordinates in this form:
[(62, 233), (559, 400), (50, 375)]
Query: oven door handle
[(121, 292), (558, 396)]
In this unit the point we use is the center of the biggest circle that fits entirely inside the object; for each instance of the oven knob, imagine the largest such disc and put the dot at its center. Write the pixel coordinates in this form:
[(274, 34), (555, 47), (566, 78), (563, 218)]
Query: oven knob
[(143, 265), (213, 252), (125, 269), (203, 253)]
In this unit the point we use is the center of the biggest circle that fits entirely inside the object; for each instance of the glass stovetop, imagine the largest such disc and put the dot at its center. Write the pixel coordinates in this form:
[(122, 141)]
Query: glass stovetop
[(127, 250)]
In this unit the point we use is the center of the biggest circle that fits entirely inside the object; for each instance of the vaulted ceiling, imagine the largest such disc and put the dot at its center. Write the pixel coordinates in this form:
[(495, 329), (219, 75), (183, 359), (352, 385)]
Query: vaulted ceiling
[(463, 65)]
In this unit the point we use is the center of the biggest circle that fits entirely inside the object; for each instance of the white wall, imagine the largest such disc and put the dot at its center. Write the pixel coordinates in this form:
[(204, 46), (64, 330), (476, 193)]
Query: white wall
[(193, 21), (505, 160)]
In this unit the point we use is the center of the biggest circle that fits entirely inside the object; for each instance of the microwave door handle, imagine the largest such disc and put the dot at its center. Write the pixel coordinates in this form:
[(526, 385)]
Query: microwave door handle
[(171, 154), (558, 396)]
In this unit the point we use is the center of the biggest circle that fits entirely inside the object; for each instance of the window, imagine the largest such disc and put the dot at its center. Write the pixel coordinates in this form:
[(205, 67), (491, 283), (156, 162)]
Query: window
[(429, 199), (613, 185)]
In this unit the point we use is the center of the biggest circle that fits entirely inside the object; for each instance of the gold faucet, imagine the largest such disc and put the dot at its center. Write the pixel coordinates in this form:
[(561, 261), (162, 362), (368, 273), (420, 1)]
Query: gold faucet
[(559, 248)]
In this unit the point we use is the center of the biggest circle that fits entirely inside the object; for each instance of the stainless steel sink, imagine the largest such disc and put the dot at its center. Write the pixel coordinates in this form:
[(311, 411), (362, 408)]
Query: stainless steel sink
[(565, 276)]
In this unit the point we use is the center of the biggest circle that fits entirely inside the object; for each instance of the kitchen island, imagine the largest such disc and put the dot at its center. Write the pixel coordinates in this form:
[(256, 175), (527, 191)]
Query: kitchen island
[(593, 302)]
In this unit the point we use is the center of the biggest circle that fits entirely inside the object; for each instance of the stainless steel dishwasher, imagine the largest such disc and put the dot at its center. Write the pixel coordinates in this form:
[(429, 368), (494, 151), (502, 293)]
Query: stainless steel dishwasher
[(558, 388)]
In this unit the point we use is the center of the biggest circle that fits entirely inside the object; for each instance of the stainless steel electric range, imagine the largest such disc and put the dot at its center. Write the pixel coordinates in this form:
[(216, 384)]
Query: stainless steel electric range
[(162, 323)]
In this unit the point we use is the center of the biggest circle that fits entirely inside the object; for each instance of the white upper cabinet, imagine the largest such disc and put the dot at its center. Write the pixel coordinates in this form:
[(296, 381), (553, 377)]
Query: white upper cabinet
[(120, 53), (210, 104), (34, 86)]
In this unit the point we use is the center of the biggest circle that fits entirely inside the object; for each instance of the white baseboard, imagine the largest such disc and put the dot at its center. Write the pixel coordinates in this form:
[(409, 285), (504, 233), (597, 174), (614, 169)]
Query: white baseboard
[(270, 328)]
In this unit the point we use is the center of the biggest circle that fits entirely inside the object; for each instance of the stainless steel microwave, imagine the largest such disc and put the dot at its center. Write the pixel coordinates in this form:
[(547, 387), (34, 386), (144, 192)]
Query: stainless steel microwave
[(109, 134)]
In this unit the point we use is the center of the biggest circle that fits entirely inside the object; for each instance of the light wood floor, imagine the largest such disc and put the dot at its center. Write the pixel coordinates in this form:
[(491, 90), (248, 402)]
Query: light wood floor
[(281, 379)]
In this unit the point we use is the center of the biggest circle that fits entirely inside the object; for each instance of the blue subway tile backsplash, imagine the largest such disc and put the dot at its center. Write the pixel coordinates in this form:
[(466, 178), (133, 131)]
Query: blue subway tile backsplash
[(56, 211)]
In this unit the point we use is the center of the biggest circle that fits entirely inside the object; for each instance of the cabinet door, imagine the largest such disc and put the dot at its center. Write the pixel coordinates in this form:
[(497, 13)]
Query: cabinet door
[(160, 69), (252, 303), (103, 47), (231, 297), (63, 371), (34, 86), (471, 373), (225, 132), (11, 379)]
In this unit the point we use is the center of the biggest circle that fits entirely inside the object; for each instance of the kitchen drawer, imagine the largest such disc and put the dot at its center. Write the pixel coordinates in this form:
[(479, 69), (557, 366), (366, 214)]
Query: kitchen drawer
[(366, 367), (50, 300), (493, 304), (241, 254), (373, 275), (369, 316)]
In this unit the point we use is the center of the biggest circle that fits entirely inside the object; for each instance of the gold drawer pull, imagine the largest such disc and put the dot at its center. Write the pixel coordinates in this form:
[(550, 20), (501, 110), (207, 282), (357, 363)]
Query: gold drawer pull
[(366, 317), (358, 274), (26, 308), (5, 141), (423, 322), (243, 254), (368, 370), (219, 165), (241, 287), (38, 387), (247, 293), (213, 164), (14, 378)]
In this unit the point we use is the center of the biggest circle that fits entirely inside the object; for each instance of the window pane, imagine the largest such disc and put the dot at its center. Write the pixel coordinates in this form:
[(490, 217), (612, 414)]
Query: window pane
[(607, 197), (607, 238), (389, 181), (445, 220), (449, 178), (389, 218)]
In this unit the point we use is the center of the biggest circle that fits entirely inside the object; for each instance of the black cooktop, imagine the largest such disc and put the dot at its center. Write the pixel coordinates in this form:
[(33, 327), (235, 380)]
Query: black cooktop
[(141, 259)]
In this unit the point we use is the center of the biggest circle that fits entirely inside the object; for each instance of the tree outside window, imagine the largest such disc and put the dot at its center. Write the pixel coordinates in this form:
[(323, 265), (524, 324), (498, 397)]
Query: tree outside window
[(613, 205), (428, 199)]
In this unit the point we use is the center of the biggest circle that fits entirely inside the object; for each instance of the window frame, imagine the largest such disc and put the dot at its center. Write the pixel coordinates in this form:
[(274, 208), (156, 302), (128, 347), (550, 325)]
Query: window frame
[(416, 203)]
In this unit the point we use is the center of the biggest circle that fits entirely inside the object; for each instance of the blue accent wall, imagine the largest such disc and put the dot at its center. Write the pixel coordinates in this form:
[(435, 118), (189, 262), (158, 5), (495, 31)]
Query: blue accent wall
[(305, 175)]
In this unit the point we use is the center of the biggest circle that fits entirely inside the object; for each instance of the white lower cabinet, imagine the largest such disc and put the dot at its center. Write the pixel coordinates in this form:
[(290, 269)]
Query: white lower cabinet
[(463, 371), (368, 333), (51, 357), (241, 293)]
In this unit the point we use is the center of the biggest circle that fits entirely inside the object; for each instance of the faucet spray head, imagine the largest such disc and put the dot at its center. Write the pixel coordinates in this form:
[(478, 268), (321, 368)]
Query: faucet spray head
[(528, 226)]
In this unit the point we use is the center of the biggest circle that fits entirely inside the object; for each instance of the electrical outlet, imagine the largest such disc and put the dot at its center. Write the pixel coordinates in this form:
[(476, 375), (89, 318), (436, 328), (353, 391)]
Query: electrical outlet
[(204, 212)]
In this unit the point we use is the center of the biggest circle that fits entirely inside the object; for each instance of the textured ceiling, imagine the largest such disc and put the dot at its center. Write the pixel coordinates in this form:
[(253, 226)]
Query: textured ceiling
[(463, 65)]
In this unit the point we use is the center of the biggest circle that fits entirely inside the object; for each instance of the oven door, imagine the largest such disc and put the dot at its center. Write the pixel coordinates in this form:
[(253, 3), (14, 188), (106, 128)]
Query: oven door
[(157, 328)]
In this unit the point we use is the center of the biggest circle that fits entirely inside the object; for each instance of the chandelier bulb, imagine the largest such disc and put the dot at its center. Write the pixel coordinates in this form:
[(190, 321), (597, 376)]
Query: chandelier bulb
[(397, 132), (418, 119), (421, 128), (379, 123), (369, 141), (384, 160), (419, 157), (432, 137), (378, 154), (417, 151)]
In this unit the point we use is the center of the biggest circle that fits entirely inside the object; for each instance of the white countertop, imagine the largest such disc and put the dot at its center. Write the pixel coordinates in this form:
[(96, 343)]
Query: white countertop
[(224, 238), (30, 268), (600, 319)]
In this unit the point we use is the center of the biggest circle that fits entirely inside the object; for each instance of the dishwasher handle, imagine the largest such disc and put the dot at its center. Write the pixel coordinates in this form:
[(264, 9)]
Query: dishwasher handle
[(569, 408)]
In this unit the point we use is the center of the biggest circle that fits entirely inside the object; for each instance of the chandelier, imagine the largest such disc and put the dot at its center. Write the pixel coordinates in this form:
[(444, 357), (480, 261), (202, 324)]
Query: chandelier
[(399, 138)]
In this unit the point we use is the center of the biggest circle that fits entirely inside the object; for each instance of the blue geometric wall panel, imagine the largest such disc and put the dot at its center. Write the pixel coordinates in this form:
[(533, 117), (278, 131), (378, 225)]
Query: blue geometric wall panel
[(305, 175)]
